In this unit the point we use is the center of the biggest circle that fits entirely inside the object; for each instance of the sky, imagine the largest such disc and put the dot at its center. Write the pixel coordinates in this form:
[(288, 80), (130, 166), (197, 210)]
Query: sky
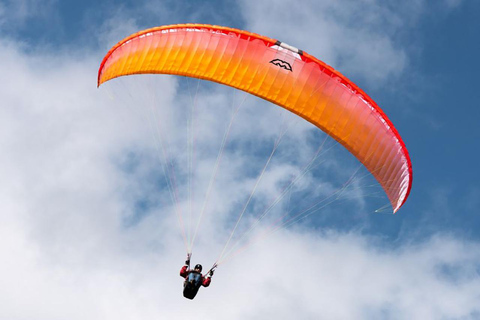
[(88, 226)]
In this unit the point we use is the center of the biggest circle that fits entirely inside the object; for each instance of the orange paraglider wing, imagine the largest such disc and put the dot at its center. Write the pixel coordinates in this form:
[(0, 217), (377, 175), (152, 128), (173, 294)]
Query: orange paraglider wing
[(278, 73)]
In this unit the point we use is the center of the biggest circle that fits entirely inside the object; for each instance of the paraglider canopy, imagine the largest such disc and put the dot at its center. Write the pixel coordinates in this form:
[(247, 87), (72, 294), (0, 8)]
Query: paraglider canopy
[(277, 72)]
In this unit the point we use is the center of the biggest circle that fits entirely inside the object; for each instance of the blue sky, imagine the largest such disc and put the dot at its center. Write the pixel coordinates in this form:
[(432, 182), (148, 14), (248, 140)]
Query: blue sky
[(90, 220)]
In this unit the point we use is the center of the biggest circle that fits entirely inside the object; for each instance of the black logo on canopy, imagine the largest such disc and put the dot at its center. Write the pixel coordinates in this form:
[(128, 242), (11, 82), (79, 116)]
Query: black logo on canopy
[(282, 64)]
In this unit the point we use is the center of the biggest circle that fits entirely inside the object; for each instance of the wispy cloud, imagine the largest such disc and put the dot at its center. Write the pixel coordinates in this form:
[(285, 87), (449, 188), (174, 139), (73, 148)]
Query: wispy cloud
[(14, 15)]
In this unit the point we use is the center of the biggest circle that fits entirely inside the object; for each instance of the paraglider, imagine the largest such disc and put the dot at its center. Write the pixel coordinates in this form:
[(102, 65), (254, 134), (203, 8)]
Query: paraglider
[(194, 279), (281, 74)]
